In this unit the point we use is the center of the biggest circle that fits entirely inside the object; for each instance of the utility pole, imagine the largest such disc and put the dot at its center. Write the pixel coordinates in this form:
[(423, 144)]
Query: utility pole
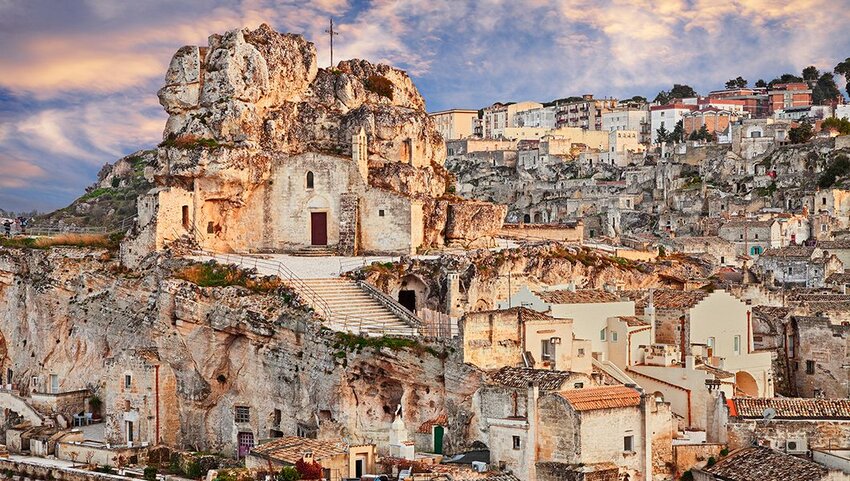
[(331, 33)]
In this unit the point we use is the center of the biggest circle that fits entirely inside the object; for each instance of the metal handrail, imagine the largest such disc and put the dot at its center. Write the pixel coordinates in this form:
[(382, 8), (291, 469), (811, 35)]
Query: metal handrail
[(391, 304), (348, 321)]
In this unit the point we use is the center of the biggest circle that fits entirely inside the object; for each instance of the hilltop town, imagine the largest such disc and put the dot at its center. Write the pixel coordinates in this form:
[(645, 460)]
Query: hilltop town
[(313, 277)]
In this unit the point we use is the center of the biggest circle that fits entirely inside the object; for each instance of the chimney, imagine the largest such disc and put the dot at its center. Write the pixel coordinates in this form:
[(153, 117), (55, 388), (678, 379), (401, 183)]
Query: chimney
[(649, 314)]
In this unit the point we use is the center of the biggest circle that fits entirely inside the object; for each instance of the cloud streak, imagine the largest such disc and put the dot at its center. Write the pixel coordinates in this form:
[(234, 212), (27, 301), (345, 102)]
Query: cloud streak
[(80, 77)]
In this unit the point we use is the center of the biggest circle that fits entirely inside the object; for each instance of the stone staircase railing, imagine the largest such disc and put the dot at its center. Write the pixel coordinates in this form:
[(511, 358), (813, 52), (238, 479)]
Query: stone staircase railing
[(400, 311)]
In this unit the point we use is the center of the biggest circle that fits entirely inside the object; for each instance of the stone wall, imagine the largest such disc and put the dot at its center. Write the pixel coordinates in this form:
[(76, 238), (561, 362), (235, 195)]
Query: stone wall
[(820, 342), (687, 456), (349, 227), (39, 471), (549, 471), (818, 434), (67, 403)]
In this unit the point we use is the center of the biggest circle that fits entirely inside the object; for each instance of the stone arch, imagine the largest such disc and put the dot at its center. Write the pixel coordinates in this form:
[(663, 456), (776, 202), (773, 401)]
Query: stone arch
[(309, 179), (482, 305), (658, 396), (746, 384), (537, 218), (318, 202)]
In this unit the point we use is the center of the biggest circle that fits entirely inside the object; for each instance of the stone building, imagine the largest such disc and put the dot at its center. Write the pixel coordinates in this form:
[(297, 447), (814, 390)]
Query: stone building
[(754, 137), (140, 400), (798, 266), (752, 237), (522, 337), (818, 352), (454, 124), (339, 460), (763, 463)]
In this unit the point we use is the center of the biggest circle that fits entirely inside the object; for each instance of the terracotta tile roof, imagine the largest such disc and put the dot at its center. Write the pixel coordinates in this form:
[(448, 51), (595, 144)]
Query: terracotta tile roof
[(765, 464), (520, 377), (771, 312), (675, 299), (582, 296), (819, 297), (790, 252), (792, 408), (839, 278), (427, 426), (292, 448), (633, 321), (606, 397), (527, 314), (834, 244)]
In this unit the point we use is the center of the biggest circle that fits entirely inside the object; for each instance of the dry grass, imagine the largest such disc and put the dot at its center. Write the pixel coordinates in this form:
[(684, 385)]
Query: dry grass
[(215, 275), (99, 241)]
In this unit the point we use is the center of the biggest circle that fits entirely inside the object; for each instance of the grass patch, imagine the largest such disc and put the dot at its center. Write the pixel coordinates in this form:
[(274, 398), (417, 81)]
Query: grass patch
[(96, 193), (212, 274), (380, 85), (346, 343), (99, 241)]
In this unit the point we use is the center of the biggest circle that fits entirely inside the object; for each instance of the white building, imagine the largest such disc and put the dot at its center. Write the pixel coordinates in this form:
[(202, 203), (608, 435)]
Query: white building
[(543, 117), (499, 117), (667, 116), (628, 119)]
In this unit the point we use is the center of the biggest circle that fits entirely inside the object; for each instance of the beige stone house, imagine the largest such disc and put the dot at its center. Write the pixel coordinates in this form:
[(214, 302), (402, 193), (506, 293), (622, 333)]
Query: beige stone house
[(594, 431), (339, 460), (520, 336)]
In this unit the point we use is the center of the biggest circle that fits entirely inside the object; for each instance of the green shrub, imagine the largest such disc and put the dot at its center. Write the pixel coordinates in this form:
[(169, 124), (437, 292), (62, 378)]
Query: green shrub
[(105, 469), (150, 473), (687, 476), (839, 167), (724, 452), (380, 85), (193, 470), (711, 462), (288, 473)]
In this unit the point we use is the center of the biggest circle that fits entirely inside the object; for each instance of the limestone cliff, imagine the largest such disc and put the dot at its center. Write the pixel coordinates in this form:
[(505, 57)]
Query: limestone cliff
[(257, 91), (66, 311)]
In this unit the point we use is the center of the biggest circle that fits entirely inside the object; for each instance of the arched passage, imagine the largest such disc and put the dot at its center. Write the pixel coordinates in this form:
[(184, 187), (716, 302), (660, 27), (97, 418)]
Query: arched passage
[(412, 293), (746, 384)]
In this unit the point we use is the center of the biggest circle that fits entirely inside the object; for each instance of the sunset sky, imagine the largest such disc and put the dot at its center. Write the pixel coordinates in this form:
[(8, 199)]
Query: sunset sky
[(78, 79)]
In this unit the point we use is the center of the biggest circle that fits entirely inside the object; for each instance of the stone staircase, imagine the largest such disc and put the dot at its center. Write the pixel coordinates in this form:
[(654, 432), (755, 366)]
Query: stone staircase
[(315, 251), (358, 309)]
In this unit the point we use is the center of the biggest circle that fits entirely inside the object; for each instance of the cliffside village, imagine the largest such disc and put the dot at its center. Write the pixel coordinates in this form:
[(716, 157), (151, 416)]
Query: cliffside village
[(535, 292)]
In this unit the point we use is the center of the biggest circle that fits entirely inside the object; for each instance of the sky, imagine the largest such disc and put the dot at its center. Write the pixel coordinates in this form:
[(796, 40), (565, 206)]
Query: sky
[(78, 78)]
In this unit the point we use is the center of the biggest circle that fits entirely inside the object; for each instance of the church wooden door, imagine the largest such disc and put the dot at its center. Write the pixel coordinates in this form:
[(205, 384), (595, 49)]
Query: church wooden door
[(319, 228)]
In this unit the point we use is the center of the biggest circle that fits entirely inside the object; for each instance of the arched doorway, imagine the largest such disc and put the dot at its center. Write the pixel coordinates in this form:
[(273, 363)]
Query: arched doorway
[(746, 384)]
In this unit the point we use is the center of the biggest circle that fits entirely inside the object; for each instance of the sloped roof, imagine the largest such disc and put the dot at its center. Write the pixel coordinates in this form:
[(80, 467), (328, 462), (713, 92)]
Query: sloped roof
[(292, 448), (771, 312), (521, 377), (427, 426), (633, 321), (839, 278), (527, 314), (834, 244), (765, 464), (791, 408), (606, 397), (789, 252), (675, 299), (582, 296)]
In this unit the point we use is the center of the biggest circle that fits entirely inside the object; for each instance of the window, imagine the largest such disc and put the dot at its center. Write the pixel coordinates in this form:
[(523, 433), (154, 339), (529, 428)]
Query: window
[(578, 385), (737, 345), (243, 414), (757, 236), (128, 381), (545, 350), (810, 367), (581, 352), (823, 227), (613, 336), (517, 442), (309, 180), (381, 212), (628, 443), (722, 260), (823, 201), (755, 251), (710, 343), (276, 415), (210, 228), (602, 335), (185, 216), (741, 236), (790, 271)]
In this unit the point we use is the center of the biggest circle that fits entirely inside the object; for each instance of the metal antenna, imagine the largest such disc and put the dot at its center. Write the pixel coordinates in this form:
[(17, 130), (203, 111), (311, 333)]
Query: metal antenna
[(331, 33)]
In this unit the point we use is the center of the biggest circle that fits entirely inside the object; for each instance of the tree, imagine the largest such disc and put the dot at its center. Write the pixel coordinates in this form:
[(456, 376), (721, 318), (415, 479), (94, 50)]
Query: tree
[(801, 134), (308, 471), (811, 73), (825, 90), (678, 134), (662, 136), (843, 68), (760, 83), (786, 78), (842, 126), (737, 83), (679, 91)]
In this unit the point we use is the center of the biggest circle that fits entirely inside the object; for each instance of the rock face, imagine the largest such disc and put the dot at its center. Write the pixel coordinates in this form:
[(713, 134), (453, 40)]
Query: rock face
[(65, 312)]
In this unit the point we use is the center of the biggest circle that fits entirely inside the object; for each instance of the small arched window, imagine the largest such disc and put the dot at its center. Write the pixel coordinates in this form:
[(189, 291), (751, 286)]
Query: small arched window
[(309, 180)]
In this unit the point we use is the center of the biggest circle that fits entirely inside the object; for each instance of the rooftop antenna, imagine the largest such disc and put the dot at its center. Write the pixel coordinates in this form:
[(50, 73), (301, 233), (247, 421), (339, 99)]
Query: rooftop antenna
[(331, 33)]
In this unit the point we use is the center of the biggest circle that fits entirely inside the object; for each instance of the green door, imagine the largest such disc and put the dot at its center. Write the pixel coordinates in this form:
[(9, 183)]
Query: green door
[(438, 440)]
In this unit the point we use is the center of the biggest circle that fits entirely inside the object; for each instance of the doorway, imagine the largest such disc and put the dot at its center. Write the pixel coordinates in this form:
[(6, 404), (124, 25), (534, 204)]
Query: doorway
[(438, 439), (246, 442), (131, 435), (319, 228), (358, 468), (408, 300)]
